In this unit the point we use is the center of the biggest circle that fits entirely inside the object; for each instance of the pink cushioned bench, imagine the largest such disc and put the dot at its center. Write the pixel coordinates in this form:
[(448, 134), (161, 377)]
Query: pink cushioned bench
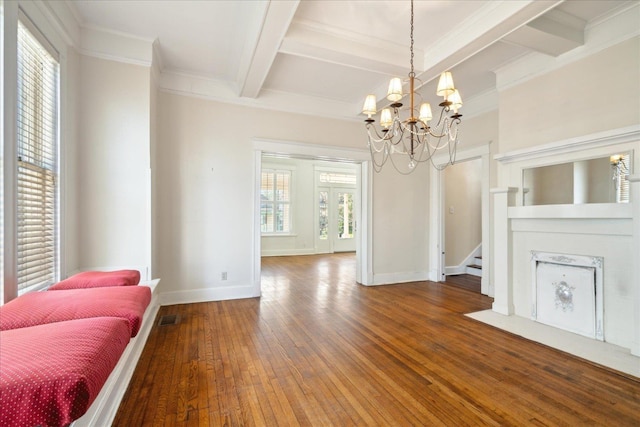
[(50, 374), (98, 279), (35, 308)]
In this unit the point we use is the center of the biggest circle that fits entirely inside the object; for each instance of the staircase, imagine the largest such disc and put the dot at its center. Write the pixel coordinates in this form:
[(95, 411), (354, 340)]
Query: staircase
[(475, 269)]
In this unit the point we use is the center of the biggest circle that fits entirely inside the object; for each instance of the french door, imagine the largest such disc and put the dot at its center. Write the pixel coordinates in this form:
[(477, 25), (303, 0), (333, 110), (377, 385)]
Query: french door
[(336, 220)]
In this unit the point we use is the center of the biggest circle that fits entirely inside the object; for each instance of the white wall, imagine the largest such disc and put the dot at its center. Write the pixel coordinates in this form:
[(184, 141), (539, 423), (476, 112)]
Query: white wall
[(113, 164), (596, 93), (401, 225)]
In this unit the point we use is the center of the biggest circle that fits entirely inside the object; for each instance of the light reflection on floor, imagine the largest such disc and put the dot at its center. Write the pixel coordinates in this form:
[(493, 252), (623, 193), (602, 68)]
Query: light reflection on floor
[(328, 278)]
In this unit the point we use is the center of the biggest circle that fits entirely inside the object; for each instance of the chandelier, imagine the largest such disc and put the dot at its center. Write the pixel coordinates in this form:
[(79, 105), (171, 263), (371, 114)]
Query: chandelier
[(413, 140)]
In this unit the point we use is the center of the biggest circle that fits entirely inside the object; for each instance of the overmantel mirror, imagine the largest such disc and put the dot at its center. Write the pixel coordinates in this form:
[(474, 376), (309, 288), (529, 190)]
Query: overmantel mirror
[(599, 180)]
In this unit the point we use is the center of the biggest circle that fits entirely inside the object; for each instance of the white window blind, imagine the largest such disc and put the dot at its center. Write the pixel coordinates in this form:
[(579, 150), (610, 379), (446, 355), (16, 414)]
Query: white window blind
[(37, 163), (275, 201)]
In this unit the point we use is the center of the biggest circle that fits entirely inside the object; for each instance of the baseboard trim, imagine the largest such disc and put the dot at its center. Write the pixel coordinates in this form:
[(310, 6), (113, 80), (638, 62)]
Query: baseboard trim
[(209, 294), (288, 252), (400, 277)]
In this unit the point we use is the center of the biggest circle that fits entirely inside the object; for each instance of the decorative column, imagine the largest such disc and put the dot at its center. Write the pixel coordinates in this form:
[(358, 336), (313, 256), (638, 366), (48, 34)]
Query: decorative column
[(634, 181), (581, 182), (502, 261)]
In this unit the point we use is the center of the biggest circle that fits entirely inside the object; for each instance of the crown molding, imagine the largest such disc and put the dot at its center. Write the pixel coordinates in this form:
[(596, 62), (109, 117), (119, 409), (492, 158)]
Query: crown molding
[(480, 104), (63, 17), (116, 46), (599, 139), (612, 29), (203, 87)]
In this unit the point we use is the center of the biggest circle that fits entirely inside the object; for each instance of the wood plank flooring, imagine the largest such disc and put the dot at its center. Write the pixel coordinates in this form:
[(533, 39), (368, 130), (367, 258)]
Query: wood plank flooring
[(317, 349), (465, 281)]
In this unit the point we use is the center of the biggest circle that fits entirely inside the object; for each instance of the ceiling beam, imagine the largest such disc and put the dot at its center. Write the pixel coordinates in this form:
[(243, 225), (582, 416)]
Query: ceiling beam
[(496, 20), (553, 34), (276, 18)]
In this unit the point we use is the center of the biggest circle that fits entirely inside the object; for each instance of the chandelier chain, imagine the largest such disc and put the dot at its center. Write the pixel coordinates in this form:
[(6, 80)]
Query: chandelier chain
[(411, 48)]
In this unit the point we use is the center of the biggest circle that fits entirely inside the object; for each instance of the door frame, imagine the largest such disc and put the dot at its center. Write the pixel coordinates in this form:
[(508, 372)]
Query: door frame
[(364, 191), (436, 218)]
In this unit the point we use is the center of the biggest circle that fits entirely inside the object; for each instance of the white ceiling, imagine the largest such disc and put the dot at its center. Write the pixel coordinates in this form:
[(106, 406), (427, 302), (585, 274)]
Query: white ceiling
[(333, 53)]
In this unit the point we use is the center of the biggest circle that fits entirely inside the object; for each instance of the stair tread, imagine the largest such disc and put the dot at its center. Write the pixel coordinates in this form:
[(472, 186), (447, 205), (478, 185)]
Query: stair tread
[(475, 266)]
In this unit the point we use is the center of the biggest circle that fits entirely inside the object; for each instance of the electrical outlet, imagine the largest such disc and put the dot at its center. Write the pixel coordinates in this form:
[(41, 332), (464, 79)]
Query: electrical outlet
[(223, 276)]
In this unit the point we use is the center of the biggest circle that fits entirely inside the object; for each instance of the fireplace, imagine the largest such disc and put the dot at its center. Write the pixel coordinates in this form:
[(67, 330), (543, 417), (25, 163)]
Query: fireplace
[(568, 292)]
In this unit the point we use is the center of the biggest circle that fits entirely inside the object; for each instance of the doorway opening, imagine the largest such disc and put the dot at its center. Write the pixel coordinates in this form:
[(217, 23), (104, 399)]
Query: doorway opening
[(327, 210), (439, 211), (462, 221)]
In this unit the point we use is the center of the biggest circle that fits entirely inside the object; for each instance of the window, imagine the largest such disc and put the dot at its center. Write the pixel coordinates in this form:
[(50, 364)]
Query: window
[(275, 201), (337, 178), (37, 163), (323, 215)]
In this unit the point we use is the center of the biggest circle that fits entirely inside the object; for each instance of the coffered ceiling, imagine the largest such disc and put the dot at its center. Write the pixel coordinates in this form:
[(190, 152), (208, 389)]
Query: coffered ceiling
[(324, 56)]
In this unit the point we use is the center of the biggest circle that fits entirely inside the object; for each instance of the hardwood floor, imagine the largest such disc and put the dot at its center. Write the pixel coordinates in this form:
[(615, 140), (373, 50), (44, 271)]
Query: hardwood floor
[(319, 349), (465, 281)]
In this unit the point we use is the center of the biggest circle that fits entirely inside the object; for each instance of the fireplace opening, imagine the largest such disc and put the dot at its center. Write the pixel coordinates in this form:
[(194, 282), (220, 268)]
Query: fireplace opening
[(568, 292)]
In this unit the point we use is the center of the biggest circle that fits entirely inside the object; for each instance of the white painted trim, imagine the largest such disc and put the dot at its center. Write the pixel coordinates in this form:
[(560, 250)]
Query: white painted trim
[(204, 87), (62, 18), (500, 190), (584, 211), (595, 140), (618, 26), (116, 46), (635, 197), (104, 408), (364, 243), (480, 104), (190, 296), (455, 270), (436, 226), (275, 22), (400, 277), (311, 151), (9, 168), (288, 252), (256, 248)]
